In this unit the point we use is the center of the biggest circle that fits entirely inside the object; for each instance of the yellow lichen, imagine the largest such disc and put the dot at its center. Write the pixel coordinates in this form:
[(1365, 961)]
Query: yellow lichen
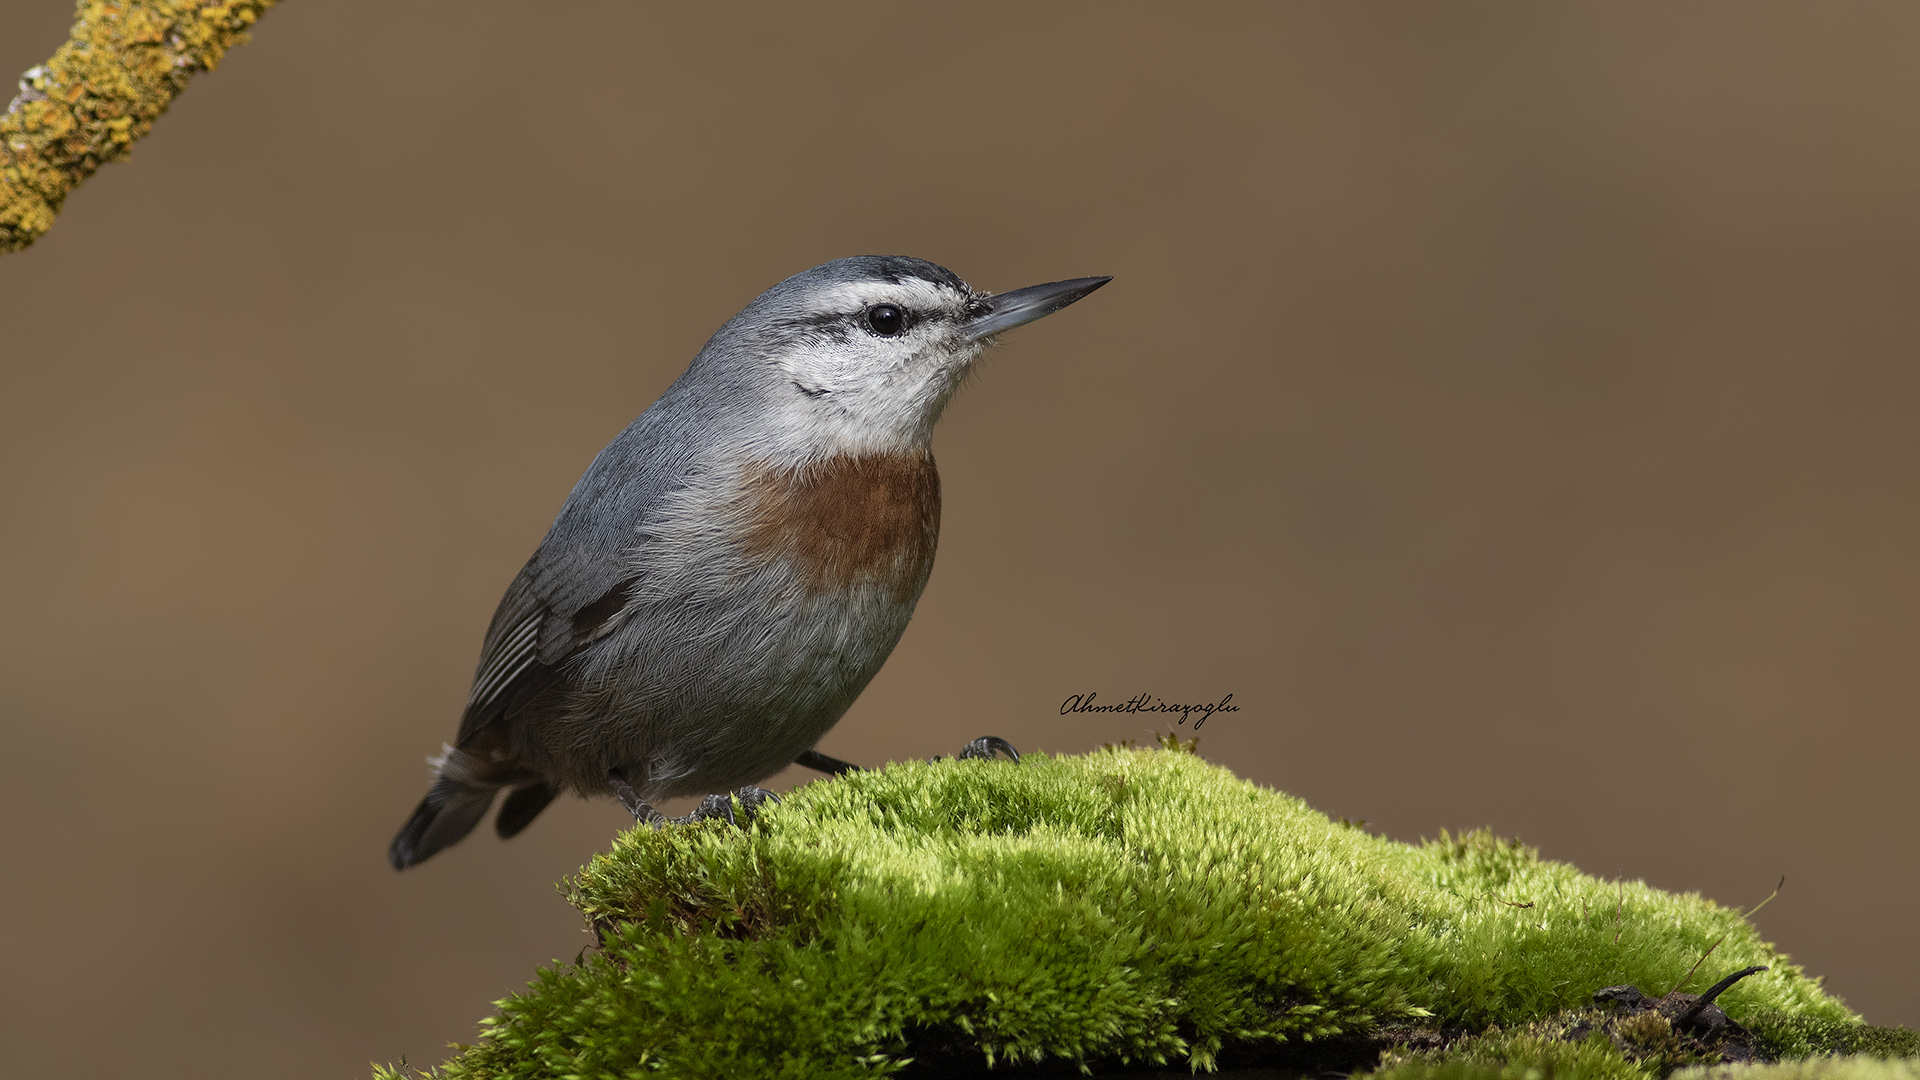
[(124, 63)]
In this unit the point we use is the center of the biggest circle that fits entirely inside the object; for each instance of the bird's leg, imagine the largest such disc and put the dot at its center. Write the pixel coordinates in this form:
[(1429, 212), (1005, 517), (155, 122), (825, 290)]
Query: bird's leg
[(631, 799), (986, 746), (721, 806), (814, 759)]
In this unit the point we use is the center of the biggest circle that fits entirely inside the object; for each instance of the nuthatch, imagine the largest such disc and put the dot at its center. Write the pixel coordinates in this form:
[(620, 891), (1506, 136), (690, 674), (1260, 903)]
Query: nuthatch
[(736, 565)]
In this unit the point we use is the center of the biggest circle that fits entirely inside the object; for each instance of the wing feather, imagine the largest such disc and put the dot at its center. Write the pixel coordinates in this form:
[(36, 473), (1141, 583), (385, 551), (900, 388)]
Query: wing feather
[(576, 584), (506, 661)]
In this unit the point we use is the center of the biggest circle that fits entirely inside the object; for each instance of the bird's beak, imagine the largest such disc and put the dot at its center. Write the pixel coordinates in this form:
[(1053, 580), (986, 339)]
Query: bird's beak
[(1022, 306)]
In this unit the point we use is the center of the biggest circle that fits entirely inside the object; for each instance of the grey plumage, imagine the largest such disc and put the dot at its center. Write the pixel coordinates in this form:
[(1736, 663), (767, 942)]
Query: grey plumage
[(735, 565)]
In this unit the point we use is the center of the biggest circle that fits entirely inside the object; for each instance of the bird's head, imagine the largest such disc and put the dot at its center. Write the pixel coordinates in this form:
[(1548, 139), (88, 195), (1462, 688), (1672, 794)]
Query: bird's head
[(860, 355)]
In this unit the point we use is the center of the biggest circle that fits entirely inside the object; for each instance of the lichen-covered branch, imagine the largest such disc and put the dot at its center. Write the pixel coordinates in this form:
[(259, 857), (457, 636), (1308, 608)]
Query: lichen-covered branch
[(123, 65)]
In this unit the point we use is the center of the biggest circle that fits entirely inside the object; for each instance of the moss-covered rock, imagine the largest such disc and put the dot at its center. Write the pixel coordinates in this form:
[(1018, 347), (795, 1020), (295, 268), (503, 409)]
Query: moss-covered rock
[(1125, 906)]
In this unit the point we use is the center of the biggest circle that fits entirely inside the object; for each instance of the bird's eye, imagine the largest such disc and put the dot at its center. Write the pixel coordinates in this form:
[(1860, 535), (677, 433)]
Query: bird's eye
[(886, 320)]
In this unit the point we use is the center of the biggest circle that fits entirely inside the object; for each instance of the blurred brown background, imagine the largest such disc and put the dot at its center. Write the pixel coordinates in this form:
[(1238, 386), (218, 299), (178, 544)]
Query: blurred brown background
[(1513, 407)]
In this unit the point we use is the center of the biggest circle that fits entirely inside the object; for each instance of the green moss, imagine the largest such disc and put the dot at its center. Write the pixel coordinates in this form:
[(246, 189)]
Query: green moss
[(1523, 1055), (1819, 1068), (123, 65), (1641, 1043), (1124, 906), (1589, 1062), (1560, 1063), (1788, 1035), (1582, 1044)]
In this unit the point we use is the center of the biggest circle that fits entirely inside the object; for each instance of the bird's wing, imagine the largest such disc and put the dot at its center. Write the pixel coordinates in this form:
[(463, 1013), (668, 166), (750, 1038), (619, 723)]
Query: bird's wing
[(533, 637), (580, 578)]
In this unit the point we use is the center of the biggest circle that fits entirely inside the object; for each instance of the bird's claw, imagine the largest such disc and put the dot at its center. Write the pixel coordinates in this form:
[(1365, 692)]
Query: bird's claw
[(985, 747), (721, 806)]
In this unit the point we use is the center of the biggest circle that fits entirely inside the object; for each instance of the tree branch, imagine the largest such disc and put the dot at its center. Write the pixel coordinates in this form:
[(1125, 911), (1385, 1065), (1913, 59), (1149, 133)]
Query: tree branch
[(122, 66)]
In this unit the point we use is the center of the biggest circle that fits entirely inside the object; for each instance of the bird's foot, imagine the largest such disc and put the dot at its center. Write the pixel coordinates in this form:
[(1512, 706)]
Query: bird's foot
[(721, 806), (984, 748), (631, 799), (713, 806)]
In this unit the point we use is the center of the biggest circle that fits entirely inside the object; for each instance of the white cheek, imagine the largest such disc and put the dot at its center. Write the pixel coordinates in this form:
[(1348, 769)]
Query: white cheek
[(838, 367), (873, 402)]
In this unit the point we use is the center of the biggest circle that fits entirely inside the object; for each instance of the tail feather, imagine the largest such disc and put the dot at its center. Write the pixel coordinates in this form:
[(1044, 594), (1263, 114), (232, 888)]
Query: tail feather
[(521, 807), (448, 813)]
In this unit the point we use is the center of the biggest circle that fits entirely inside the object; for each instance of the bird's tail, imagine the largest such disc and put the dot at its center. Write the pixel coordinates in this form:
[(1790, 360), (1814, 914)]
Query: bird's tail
[(454, 805)]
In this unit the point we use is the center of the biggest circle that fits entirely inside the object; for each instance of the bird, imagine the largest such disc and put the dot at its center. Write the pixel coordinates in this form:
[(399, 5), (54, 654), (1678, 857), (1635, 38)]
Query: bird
[(735, 566)]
